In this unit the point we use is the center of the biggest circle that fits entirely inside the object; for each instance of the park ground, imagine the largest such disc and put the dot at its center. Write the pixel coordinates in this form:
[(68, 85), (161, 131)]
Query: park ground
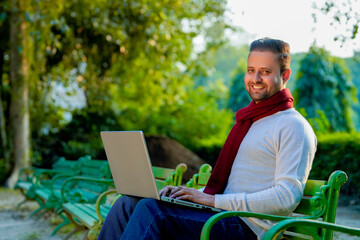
[(15, 224)]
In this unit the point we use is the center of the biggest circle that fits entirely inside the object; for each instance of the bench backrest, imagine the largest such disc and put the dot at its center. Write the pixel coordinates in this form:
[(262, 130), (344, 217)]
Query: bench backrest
[(45, 177), (99, 180), (168, 176), (94, 168), (320, 200), (200, 179), (68, 166)]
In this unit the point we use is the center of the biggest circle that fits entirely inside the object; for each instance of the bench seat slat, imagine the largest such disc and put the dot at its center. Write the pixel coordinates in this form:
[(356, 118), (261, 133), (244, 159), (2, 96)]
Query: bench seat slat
[(84, 217)]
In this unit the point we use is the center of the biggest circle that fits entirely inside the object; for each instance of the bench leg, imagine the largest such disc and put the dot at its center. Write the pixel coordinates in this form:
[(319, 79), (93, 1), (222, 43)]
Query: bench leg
[(77, 228), (38, 212), (94, 231), (41, 207), (65, 222), (26, 198), (85, 235), (20, 203)]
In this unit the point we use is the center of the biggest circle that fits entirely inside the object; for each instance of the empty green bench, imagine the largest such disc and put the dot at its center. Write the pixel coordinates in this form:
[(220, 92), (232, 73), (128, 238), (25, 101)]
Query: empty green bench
[(30, 176), (48, 192)]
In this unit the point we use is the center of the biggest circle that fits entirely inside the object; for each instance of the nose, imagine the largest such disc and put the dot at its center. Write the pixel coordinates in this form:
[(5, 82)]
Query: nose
[(257, 77)]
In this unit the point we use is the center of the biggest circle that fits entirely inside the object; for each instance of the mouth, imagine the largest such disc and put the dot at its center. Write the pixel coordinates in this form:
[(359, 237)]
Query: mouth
[(257, 87)]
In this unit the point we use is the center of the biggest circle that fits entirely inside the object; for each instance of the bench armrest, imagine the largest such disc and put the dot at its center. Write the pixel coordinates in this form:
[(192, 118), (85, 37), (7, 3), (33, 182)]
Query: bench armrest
[(205, 233), (58, 178), (283, 225), (27, 174), (68, 195), (45, 177), (99, 202)]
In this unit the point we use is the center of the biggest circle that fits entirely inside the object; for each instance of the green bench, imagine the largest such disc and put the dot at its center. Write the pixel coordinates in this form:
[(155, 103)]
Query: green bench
[(48, 185), (321, 226), (319, 202), (89, 217), (30, 176)]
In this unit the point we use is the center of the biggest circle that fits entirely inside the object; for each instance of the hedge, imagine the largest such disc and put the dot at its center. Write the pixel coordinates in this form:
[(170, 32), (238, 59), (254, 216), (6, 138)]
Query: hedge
[(339, 151)]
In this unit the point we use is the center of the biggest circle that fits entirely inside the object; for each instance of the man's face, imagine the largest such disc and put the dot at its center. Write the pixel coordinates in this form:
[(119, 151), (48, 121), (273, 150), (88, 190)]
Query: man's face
[(263, 78)]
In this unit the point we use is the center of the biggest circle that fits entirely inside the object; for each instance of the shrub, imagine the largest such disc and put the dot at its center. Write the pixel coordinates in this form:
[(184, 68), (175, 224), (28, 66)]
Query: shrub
[(339, 151)]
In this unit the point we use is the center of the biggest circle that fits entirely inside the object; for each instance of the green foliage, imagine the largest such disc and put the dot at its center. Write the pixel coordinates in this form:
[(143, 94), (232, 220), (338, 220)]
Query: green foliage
[(142, 47), (295, 65), (324, 83), (239, 97), (320, 124), (198, 121), (354, 65), (227, 60), (339, 151), (134, 62), (195, 121), (79, 137), (229, 67)]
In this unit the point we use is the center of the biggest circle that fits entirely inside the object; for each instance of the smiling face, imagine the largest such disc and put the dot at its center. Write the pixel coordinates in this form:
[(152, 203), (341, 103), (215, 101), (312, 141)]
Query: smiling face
[(263, 77)]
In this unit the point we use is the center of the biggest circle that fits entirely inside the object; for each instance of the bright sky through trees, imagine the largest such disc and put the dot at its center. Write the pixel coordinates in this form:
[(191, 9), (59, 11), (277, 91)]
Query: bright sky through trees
[(291, 21)]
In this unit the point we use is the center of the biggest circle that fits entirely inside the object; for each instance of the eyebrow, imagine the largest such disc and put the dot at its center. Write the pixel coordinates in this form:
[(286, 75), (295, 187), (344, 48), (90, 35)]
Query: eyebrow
[(261, 68), (265, 68)]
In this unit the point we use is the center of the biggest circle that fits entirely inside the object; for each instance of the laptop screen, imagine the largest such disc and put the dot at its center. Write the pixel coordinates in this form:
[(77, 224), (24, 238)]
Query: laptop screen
[(130, 163)]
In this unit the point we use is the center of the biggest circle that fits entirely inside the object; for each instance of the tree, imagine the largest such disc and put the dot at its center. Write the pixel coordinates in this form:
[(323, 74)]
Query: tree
[(324, 85), (343, 13), (24, 30), (136, 61), (354, 65), (133, 60), (20, 44), (4, 48)]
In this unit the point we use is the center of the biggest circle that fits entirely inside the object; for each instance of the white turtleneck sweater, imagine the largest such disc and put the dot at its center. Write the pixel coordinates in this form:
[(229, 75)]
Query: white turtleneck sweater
[(270, 169)]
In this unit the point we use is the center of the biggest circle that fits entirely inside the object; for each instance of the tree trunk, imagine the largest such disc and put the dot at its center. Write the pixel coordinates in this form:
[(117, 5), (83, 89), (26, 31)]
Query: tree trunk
[(20, 74), (4, 40), (4, 144)]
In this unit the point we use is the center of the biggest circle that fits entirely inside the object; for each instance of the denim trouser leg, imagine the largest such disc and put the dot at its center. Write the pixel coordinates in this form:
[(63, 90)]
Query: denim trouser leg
[(153, 219), (118, 217)]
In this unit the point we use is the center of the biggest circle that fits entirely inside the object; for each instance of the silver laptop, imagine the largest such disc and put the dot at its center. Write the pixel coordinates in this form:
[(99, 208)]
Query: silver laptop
[(131, 168)]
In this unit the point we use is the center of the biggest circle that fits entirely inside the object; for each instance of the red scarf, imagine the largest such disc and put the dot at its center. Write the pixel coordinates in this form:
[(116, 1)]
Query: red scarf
[(244, 118)]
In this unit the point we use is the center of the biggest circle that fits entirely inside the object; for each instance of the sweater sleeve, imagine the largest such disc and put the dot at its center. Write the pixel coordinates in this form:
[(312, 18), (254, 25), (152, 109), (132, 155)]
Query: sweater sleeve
[(294, 146)]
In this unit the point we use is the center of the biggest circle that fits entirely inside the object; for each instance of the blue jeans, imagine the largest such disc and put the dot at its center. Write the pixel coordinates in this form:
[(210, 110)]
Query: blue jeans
[(136, 219)]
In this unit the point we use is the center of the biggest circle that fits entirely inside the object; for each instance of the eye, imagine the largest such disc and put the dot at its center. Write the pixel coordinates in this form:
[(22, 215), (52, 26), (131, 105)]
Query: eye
[(265, 72), (250, 70)]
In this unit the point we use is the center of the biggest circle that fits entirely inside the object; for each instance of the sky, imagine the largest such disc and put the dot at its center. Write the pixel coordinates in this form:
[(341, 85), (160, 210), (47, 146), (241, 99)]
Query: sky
[(291, 21)]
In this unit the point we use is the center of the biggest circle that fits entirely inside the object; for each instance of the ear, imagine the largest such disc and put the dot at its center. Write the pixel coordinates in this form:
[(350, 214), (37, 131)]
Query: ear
[(286, 75)]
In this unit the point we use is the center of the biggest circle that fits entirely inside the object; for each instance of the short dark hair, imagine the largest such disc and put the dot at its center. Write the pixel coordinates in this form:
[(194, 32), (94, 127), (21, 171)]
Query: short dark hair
[(276, 46)]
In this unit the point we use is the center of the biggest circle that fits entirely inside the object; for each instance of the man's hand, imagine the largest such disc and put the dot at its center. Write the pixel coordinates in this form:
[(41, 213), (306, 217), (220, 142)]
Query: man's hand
[(188, 194)]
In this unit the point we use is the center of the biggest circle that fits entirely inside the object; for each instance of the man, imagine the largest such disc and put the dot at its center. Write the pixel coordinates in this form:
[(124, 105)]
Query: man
[(262, 167)]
